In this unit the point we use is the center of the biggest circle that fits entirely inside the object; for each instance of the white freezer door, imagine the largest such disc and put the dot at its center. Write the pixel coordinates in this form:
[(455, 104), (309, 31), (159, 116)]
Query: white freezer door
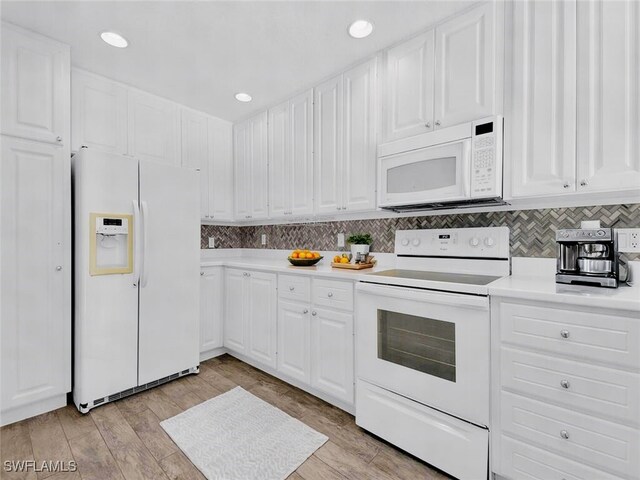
[(170, 271)]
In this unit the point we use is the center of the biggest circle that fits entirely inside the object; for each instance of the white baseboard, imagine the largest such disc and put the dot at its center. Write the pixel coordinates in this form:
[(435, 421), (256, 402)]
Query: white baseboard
[(209, 354), (32, 409)]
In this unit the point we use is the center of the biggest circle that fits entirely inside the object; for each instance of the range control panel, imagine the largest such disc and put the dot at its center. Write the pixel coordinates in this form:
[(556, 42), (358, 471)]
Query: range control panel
[(481, 242)]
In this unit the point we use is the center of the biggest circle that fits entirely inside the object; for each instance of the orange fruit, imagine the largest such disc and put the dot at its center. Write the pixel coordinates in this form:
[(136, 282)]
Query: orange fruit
[(336, 259), (316, 255), (344, 260), (309, 255)]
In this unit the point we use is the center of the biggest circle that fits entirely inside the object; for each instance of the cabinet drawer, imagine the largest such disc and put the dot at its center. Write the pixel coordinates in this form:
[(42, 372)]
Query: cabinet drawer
[(599, 390), (520, 461), (294, 287), (602, 444), (333, 294), (613, 339)]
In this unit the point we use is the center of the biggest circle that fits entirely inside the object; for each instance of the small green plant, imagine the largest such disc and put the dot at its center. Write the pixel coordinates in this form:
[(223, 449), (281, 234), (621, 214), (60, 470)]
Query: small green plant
[(360, 239)]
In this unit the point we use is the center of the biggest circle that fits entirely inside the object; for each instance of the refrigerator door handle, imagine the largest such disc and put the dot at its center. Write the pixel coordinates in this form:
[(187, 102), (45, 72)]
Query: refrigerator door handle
[(136, 243), (145, 220)]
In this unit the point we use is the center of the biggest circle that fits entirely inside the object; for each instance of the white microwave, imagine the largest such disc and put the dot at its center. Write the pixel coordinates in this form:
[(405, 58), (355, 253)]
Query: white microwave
[(453, 167)]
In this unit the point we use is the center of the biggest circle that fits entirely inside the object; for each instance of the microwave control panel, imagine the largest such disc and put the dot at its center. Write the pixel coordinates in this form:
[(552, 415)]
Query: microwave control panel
[(486, 158)]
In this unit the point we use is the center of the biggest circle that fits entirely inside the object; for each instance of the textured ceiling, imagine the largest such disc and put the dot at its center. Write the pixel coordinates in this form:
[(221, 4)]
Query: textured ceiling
[(201, 53)]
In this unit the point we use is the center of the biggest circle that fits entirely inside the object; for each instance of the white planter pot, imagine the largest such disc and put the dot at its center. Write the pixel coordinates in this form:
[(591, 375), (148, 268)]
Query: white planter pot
[(362, 249)]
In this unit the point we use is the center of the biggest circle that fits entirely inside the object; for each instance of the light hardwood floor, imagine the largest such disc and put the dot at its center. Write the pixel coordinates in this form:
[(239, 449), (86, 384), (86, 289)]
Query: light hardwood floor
[(124, 440)]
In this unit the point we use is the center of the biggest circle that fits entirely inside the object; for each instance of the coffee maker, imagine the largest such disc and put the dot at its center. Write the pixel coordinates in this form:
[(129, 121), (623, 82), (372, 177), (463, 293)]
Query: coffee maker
[(587, 256)]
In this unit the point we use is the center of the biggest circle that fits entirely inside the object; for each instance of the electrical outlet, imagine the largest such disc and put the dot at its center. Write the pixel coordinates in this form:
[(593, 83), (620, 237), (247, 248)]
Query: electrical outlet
[(340, 240), (212, 242), (263, 239), (628, 240)]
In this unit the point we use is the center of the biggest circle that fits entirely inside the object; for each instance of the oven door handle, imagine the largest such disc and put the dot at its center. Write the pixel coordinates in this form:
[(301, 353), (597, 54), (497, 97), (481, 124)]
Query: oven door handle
[(476, 302)]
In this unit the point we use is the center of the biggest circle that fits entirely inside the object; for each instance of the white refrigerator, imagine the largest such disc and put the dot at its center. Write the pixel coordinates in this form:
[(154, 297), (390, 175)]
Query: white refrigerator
[(136, 275)]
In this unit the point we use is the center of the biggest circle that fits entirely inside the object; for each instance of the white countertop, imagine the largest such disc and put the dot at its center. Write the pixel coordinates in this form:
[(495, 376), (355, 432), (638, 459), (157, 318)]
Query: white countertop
[(534, 279)]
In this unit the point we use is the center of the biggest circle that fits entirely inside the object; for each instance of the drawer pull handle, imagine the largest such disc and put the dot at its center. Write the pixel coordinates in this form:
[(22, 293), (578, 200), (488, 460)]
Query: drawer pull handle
[(291, 289), (564, 333), (564, 434), (564, 383), (329, 294)]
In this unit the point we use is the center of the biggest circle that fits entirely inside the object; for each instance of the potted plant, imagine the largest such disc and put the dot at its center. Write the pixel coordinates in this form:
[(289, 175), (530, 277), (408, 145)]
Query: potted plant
[(360, 243)]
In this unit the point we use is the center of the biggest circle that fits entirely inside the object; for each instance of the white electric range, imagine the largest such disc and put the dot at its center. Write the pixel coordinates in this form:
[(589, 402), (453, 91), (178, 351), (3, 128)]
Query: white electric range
[(423, 346)]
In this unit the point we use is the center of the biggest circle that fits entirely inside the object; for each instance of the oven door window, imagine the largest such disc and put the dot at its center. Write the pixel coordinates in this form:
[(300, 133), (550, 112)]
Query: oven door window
[(419, 343)]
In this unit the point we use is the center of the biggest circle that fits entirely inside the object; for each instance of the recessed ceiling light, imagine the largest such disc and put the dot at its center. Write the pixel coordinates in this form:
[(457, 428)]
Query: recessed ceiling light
[(114, 39), (243, 97), (360, 29)]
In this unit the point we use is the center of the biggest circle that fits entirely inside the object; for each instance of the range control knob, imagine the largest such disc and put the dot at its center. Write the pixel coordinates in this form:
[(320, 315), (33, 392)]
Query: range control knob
[(416, 242), (489, 242), (600, 233), (474, 241), (405, 242)]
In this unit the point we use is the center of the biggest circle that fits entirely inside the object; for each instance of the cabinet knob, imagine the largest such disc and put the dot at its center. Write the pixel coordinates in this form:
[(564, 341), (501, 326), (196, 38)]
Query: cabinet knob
[(566, 185), (565, 383), (306, 310), (58, 268), (338, 208), (201, 273), (291, 289), (437, 123), (584, 183), (58, 139), (564, 434), (428, 125), (564, 333), (330, 294), (314, 313)]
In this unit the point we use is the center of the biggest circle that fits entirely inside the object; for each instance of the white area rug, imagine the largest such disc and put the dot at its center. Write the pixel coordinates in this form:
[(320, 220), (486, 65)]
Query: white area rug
[(237, 436)]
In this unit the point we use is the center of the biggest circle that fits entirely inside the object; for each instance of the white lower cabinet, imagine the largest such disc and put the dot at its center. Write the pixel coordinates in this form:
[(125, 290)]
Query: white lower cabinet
[(565, 384), (250, 314), (211, 309), (294, 340)]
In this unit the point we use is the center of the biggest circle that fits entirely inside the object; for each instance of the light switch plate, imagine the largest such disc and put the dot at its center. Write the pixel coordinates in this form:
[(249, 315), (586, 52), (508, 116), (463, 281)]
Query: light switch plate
[(628, 240), (340, 240), (212, 242)]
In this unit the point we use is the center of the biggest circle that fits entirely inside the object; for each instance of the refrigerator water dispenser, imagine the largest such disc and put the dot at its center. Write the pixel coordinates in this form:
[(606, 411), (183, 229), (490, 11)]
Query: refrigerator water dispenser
[(111, 240)]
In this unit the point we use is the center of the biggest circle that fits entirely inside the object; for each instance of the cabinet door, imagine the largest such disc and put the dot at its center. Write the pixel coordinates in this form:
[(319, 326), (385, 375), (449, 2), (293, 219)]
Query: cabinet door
[(408, 88), (194, 152), (154, 129), (99, 113), (301, 154), (328, 131), (540, 138), (465, 84), (608, 95), (258, 175), (332, 353), (241, 162), (211, 308), (294, 340), (234, 312), (35, 332), (35, 86), (261, 317), (220, 161), (280, 175), (359, 164)]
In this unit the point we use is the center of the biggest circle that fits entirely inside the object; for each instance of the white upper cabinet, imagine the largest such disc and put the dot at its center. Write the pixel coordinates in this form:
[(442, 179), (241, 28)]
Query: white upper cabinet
[(35, 86), (328, 132), (154, 129), (220, 166), (194, 152), (251, 183), (98, 113), (345, 141), (408, 90), (291, 157), (468, 65), (359, 141), (540, 131), (608, 95)]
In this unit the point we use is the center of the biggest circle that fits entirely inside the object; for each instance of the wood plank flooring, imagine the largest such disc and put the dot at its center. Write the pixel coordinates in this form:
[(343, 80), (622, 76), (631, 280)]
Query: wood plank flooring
[(124, 439)]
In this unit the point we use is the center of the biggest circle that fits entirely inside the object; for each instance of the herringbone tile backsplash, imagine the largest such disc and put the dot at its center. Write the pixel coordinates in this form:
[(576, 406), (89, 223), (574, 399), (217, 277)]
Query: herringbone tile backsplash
[(532, 231)]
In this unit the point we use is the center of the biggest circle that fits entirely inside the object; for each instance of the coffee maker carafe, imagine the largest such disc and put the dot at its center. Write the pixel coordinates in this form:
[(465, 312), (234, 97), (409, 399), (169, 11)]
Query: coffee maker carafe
[(587, 256)]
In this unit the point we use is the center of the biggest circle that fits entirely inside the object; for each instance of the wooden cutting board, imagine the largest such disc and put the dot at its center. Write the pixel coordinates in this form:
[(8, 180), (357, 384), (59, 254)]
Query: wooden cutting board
[(352, 266)]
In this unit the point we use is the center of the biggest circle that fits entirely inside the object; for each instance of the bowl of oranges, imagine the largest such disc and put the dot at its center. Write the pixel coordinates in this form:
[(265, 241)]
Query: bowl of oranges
[(304, 258)]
